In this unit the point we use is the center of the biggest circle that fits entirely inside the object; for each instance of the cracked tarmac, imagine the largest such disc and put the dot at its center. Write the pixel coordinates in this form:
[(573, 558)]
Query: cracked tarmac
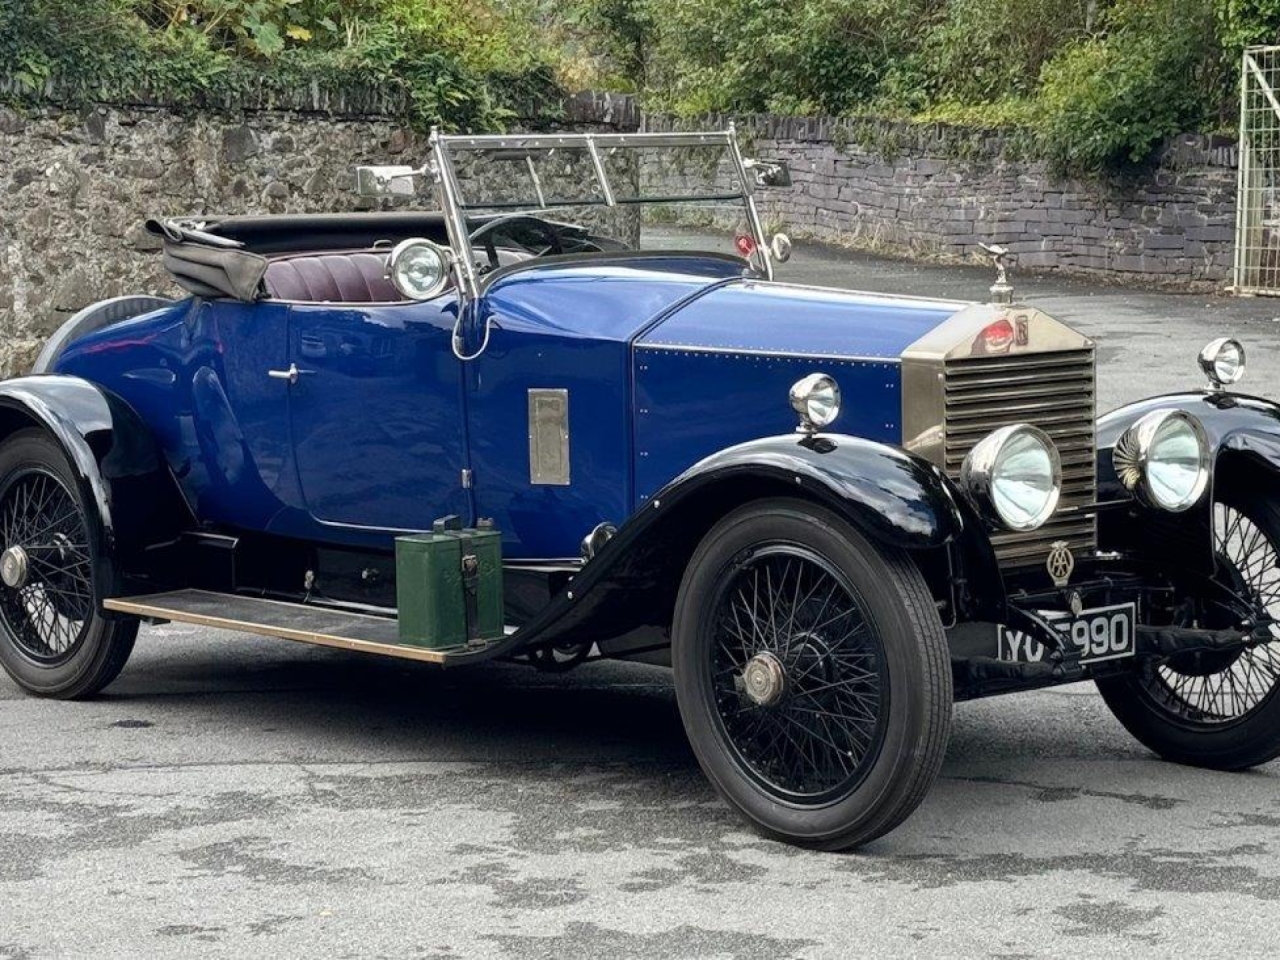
[(233, 796)]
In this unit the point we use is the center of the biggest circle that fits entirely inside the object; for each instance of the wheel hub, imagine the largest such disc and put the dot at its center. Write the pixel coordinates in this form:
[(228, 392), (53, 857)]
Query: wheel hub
[(764, 679), (14, 568)]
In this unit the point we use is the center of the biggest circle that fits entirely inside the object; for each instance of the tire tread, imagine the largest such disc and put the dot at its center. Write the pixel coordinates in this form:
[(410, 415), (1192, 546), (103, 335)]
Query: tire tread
[(937, 691)]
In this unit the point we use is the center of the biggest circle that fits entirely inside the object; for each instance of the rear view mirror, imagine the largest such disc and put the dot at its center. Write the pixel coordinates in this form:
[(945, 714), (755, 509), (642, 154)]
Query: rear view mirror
[(780, 247), (770, 173), (386, 181)]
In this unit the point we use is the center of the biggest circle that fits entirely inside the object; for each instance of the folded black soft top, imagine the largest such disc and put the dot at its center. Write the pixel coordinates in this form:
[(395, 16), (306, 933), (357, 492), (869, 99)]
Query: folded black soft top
[(226, 256), (289, 233), (213, 256)]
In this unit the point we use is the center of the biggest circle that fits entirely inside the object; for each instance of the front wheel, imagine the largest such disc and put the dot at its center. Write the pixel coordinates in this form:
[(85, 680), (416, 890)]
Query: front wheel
[(1217, 710), (812, 674), (54, 642)]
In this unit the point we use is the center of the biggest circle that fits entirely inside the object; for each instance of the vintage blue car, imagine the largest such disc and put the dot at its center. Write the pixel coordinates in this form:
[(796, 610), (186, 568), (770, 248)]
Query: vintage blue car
[(504, 430)]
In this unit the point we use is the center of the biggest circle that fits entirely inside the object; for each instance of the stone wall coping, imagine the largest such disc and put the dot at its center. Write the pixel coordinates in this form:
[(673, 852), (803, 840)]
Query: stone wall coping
[(316, 96), (350, 100), (915, 138)]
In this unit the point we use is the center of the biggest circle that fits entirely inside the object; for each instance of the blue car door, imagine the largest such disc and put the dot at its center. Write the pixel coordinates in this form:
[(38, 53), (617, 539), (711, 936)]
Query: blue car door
[(376, 413)]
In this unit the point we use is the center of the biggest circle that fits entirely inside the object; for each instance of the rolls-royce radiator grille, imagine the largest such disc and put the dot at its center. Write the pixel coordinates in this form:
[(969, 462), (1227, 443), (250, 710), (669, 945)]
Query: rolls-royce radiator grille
[(1053, 391)]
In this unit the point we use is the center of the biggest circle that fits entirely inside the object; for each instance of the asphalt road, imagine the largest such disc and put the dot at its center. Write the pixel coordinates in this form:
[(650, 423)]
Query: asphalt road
[(233, 796)]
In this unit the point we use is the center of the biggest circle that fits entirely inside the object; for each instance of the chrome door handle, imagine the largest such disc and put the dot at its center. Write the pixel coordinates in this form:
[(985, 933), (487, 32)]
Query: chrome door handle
[(292, 374)]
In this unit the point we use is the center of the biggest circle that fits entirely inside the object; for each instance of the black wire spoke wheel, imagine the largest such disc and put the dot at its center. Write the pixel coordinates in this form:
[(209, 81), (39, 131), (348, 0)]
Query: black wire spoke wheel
[(54, 641), (1223, 688), (46, 597), (1217, 709), (798, 675), (812, 674)]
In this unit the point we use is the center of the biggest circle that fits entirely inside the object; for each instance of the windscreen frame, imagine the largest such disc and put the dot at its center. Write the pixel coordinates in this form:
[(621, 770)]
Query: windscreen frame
[(444, 149)]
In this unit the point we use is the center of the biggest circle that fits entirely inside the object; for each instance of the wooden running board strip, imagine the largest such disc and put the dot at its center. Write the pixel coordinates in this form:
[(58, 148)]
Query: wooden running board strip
[(304, 623)]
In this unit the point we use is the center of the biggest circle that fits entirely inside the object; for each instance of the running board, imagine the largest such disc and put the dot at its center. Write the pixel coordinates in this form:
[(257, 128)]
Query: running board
[(305, 623)]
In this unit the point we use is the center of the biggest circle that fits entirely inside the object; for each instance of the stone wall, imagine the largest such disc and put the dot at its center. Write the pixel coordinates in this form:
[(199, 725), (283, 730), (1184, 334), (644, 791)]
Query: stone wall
[(76, 185), (933, 191)]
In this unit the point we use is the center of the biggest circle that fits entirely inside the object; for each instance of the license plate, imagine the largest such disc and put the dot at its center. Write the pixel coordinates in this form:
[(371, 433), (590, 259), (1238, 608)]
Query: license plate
[(1103, 633)]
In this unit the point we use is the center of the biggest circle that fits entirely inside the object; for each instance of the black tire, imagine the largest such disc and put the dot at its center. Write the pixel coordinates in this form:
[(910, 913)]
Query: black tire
[(1220, 711), (54, 641), (875, 690)]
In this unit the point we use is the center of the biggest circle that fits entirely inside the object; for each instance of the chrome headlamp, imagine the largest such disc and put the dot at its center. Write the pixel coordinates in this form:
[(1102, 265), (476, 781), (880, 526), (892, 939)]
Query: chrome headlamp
[(816, 398), (419, 269), (1222, 361), (1164, 460), (1014, 476)]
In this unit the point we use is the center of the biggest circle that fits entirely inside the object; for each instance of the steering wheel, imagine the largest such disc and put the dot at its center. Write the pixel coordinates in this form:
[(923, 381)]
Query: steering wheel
[(485, 233)]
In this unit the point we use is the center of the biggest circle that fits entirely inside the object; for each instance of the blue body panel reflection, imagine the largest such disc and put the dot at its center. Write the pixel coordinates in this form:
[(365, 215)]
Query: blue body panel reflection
[(665, 361)]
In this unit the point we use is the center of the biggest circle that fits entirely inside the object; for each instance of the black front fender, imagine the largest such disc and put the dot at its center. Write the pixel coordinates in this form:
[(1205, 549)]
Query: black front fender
[(895, 498), (892, 497), (118, 464), (1243, 433), (1232, 422)]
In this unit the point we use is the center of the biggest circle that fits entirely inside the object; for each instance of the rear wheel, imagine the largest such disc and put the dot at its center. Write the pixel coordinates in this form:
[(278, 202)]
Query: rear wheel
[(812, 675), (54, 642), (1218, 710)]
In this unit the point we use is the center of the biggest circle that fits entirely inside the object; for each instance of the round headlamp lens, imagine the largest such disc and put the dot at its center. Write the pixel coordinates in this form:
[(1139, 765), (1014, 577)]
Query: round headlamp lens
[(1024, 484), (816, 398), (418, 269), (1176, 468), (1164, 459), (1222, 361), (1015, 475)]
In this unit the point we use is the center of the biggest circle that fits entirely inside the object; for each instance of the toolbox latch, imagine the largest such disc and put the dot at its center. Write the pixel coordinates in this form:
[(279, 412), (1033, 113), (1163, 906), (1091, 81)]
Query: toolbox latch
[(470, 585)]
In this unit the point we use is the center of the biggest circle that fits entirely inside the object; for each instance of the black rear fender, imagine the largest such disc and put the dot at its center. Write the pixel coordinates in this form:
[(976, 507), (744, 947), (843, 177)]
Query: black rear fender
[(94, 317), (138, 509)]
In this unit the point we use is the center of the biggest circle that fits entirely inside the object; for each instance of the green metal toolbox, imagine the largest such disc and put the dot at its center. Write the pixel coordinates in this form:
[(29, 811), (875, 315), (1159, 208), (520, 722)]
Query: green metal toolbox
[(449, 585)]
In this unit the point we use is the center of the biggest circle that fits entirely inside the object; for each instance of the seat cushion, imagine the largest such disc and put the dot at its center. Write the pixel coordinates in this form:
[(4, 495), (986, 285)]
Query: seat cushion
[(331, 278)]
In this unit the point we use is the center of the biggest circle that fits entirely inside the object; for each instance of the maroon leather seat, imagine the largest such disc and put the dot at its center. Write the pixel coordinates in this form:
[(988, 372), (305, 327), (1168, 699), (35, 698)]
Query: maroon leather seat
[(331, 278)]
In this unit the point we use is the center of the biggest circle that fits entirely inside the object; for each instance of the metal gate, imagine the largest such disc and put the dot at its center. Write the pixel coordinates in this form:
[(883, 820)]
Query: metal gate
[(1257, 266)]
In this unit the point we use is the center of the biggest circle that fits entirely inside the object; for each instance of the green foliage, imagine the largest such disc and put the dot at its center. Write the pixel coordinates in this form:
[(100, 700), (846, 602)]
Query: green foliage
[(1243, 23), (1092, 84), (809, 56), (607, 40), (1112, 99), (35, 35), (982, 51), (462, 63), (1007, 113), (256, 26)]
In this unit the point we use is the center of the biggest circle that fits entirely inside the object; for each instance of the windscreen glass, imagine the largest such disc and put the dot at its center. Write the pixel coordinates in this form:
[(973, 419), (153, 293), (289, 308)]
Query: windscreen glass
[(663, 197)]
